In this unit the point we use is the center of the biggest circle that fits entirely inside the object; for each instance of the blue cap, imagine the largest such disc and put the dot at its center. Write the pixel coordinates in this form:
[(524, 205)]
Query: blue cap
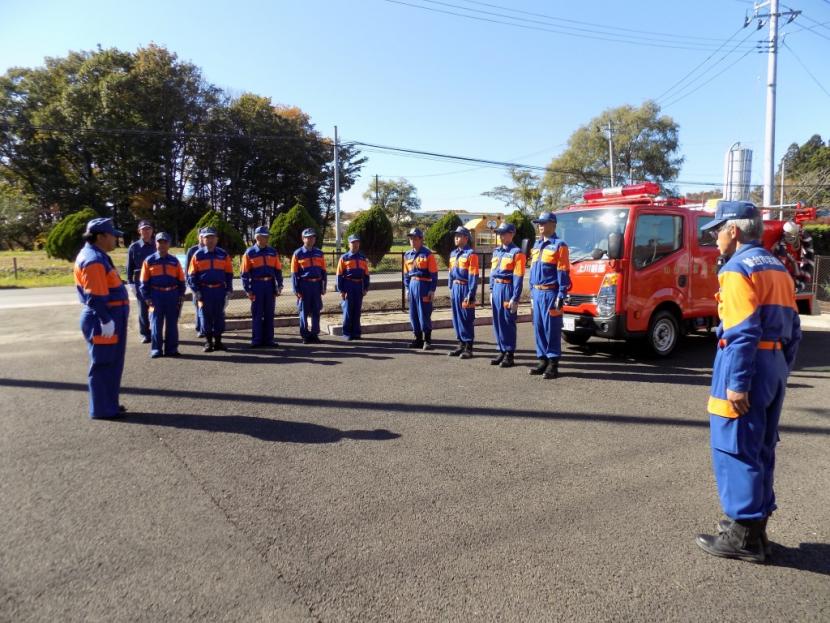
[(208, 231), (730, 210), (309, 232), (415, 232), (463, 231), (505, 228), (262, 231), (145, 225), (163, 236), (354, 238), (102, 226), (545, 217)]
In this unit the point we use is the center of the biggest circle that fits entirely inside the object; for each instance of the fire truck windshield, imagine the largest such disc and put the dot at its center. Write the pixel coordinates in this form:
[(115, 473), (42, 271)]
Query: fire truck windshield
[(586, 231)]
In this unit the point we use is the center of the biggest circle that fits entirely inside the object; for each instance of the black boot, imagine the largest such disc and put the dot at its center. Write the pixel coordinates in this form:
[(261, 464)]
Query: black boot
[(418, 342), (499, 359), (457, 350), (724, 524), (467, 352), (540, 367), (208, 344), (508, 360), (742, 540), (552, 371), (427, 340), (217, 343)]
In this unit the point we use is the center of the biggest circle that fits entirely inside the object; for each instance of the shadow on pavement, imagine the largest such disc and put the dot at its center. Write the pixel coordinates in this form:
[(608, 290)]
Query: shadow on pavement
[(257, 427), (813, 557)]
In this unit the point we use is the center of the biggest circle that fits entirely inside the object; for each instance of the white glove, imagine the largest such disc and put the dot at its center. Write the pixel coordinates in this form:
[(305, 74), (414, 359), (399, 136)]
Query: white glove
[(108, 328), (514, 306)]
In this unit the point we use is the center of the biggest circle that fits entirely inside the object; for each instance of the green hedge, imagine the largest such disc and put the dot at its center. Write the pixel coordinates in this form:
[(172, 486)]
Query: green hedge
[(375, 231), (229, 239), (439, 237), (821, 238), (64, 241), (287, 229)]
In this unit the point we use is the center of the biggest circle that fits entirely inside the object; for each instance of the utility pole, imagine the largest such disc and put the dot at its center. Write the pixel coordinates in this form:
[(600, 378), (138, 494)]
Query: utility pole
[(781, 201), (610, 129), (337, 241)]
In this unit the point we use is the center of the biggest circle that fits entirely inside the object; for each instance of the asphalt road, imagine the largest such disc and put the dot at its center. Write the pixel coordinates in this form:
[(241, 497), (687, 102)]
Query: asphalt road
[(365, 482)]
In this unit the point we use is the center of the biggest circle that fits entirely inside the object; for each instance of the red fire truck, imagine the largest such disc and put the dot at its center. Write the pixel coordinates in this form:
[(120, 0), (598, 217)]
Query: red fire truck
[(642, 269)]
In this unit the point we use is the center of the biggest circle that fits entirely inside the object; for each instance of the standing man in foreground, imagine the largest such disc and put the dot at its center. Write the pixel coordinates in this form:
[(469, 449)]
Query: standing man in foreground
[(758, 340), (139, 251), (210, 275), (352, 283), (308, 279), (262, 281), (104, 317), (163, 286), (507, 275), (420, 278), (463, 282), (189, 257), (550, 281)]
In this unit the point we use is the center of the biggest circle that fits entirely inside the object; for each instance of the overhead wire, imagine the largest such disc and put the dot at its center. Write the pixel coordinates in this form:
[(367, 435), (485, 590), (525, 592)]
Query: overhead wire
[(805, 68)]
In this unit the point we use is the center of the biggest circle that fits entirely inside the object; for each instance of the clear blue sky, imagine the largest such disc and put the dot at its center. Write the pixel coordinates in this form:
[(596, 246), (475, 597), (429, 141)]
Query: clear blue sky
[(405, 76)]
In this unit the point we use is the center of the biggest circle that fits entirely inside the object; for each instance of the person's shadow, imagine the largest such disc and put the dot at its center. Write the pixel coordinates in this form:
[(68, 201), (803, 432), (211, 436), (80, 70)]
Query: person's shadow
[(261, 428), (813, 557)]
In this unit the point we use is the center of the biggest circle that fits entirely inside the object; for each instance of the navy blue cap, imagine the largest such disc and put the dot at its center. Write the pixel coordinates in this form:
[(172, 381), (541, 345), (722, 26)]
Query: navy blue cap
[(462, 231), (208, 231), (415, 232), (545, 217), (262, 231), (309, 232), (730, 210), (145, 224), (163, 236), (102, 226), (506, 228), (354, 238)]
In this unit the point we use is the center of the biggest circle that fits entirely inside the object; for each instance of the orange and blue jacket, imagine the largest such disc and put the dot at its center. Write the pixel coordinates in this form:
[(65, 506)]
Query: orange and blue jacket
[(550, 266), (261, 264), (98, 283), (757, 308), (161, 274), (136, 254), (420, 265), (354, 268), (308, 266), (464, 270), (508, 265), (210, 269)]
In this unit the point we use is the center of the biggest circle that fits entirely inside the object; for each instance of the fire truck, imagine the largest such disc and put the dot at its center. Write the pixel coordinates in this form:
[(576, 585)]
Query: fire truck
[(642, 269)]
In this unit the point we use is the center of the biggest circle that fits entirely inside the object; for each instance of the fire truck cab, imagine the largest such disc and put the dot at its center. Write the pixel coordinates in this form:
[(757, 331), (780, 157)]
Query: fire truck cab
[(642, 269)]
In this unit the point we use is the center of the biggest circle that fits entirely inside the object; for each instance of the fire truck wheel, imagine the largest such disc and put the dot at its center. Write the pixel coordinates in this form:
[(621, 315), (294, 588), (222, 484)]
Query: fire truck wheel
[(663, 333), (576, 339)]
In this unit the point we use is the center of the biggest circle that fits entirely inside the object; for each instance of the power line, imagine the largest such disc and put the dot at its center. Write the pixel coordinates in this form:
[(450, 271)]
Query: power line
[(530, 26), (804, 67), (700, 86)]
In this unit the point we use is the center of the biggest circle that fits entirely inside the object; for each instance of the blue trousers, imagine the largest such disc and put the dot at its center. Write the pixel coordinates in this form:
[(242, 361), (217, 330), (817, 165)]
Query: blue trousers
[(143, 314), (351, 308), (547, 324), (164, 322), (262, 312), (420, 312), (463, 316), (212, 311), (106, 360), (743, 448), (309, 307), (198, 316), (504, 322)]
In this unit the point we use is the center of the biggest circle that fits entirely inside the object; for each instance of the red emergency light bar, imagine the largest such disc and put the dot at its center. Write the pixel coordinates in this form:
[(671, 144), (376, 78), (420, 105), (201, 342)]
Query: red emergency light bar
[(646, 188)]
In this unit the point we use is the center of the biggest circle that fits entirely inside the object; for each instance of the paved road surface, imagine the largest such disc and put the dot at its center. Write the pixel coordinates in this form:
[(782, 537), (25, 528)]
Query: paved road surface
[(364, 482)]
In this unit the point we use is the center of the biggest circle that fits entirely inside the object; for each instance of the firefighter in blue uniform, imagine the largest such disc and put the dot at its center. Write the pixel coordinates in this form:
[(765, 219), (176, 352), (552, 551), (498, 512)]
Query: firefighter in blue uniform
[(210, 276), (463, 283), (420, 277), (352, 284), (308, 280), (163, 287), (507, 274), (549, 281), (189, 257), (104, 317), (262, 281), (139, 251), (757, 343)]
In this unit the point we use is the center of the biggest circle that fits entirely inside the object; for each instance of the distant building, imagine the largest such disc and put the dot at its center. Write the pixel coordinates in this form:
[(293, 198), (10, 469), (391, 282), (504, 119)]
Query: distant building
[(481, 230)]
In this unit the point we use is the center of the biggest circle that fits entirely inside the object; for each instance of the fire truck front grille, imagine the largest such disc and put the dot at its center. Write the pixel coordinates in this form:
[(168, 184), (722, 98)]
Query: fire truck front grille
[(583, 299)]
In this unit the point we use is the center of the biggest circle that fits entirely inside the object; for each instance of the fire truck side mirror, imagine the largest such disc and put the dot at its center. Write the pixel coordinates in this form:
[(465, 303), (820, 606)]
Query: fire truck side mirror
[(615, 245)]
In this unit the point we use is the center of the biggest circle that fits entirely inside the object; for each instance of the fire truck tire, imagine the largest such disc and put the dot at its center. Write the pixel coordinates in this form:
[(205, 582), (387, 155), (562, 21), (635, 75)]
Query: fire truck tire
[(576, 339), (663, 334)]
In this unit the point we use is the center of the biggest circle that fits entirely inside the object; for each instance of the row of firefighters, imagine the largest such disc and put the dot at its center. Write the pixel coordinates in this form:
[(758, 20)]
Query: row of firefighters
[(160, 283)]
